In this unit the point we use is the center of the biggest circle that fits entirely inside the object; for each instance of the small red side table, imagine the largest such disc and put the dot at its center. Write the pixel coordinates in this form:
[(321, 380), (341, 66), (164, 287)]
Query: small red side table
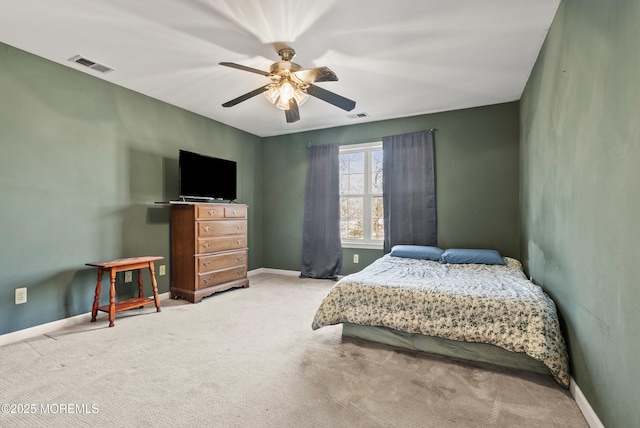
[(120, 265)]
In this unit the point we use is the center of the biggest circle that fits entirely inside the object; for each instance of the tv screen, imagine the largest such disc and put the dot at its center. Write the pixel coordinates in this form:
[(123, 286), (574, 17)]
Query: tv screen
[(205, 177)]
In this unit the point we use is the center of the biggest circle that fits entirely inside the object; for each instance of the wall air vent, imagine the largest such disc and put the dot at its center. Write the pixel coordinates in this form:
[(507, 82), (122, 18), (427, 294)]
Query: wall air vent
[(358, 115), (91, 64)]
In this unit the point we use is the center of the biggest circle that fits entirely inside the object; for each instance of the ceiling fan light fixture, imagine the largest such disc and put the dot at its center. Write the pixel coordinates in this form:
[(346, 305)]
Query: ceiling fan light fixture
[(272, 94), (291, 86), (280, 94), (300, 96), (286, 92), (282, 104)]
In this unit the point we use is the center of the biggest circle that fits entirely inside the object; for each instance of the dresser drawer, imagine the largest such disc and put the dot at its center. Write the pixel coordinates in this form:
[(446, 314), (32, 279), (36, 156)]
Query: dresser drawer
[(209, 211), (212, 245), (221, 261), (235, 212), (220, 228), (209, 279)]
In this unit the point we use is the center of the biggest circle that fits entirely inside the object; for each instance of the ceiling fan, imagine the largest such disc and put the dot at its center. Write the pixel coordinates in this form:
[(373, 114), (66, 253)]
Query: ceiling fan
[(291, 86)]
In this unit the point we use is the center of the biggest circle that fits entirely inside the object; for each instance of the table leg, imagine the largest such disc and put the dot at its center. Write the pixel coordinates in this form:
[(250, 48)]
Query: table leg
[(96, 299), (155, 286), (140, 292), (112, 297)]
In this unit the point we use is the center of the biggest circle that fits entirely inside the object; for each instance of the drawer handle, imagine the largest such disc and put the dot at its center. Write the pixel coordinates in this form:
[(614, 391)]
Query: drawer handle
[(206, 245), (207, 228), (239, 242), (240, 257), (239, 227), (207, 263), (240, 272), (235, 212), (212, 212), (207, 280)]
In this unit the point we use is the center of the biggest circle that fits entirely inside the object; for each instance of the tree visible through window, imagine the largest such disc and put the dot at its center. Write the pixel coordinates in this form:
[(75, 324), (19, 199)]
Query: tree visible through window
[(361, 213)]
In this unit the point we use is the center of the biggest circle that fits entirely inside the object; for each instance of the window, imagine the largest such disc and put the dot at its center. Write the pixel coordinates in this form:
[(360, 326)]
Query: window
[(361, 214)]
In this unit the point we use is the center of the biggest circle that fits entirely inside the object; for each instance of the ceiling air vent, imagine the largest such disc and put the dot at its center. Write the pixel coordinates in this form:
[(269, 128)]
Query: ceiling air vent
[(358, 115), (91, 64)]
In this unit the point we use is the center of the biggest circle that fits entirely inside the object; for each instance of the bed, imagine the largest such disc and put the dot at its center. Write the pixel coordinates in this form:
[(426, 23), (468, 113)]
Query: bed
[(482, 312)]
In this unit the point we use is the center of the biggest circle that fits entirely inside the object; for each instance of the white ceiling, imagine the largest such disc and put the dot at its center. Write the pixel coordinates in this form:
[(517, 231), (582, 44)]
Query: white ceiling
[(394, 58)]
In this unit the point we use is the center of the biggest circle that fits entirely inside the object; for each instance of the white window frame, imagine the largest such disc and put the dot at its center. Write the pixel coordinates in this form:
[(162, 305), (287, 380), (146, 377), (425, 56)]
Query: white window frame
[(366, 242)]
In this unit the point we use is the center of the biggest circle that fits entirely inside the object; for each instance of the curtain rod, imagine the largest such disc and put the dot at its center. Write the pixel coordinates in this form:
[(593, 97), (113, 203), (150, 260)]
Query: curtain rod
[(368, 140)]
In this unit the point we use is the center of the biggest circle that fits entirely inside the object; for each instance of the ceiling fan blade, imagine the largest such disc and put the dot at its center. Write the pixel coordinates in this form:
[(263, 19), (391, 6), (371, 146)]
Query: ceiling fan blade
[(331, 98), (318, 74), (245, 68), (293, 114), (246, 96)]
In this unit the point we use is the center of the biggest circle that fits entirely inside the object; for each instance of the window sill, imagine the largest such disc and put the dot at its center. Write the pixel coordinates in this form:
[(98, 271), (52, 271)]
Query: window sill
[(364, 245)]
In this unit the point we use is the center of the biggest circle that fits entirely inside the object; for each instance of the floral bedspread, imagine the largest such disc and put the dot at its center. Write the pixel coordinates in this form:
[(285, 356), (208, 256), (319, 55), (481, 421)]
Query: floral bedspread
[(473, 303)]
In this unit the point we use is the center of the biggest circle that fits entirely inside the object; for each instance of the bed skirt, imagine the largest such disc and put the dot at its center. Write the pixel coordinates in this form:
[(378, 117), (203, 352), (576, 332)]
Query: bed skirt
[(478, 352)]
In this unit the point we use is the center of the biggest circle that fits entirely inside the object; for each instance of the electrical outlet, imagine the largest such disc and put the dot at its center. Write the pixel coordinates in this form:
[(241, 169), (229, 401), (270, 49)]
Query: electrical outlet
[(21, 295), (128, 276), (356, 258), (162, 270)]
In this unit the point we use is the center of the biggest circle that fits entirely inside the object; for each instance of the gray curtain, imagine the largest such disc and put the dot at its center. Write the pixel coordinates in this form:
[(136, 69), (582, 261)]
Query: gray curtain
[(408, 190), (321, 249)]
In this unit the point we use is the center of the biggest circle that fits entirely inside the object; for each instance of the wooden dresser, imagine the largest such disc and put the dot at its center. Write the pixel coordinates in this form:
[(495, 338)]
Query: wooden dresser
[(208, 249)]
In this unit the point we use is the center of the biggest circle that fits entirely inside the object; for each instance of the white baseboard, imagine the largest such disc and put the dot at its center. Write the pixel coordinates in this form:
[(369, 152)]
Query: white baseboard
[(28, 333), (584, 406), (273, 271), (278, 272)]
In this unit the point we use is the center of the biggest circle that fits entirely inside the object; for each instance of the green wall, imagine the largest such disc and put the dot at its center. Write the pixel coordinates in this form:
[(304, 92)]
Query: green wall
[(477, 186), (580, 132), (82, 162)]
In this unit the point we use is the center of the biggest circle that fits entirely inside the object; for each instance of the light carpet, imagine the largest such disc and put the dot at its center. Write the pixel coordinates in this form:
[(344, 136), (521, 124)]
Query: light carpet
[(248, 358)]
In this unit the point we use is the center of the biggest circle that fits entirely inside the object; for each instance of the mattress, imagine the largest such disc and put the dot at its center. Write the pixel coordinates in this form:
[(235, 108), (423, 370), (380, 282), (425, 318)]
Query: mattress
[(489, 304)]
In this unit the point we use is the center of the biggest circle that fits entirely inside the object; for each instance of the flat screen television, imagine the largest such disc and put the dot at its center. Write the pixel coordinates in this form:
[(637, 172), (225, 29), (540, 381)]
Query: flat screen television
[(206, 177)]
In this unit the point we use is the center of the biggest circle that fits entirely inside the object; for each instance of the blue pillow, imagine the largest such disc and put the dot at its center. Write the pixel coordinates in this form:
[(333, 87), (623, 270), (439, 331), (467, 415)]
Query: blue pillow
[(416, 252), (462, 255)]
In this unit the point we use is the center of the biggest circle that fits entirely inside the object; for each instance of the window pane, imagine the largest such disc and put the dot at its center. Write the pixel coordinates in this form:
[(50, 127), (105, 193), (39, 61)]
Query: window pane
[(351, 163), (356, 184), (344, 183), (352, 173), (376, 171), (343, 208), (377, 218), (376, 157), (355, 229), (344, 230), (356, 163), (352, 217), (355, 209)]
